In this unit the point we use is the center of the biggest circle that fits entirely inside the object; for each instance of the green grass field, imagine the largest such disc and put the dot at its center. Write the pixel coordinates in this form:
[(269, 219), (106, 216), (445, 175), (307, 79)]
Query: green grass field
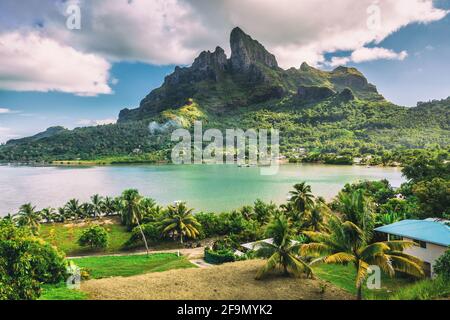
[(65, 236), (126, 266), (116, 266), (344, 277)]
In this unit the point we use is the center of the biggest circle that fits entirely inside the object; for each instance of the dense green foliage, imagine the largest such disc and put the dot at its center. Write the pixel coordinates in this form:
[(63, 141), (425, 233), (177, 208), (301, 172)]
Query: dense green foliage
[(442, 266), (26, 262), (219, 256), (94, 237)]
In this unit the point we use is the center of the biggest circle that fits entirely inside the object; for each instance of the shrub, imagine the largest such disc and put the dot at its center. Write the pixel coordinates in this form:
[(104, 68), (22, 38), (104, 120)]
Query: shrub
[(219, 257), (424, 290), (151, 231), (442, 266), (94, 237), (48, 263), (25, 263)]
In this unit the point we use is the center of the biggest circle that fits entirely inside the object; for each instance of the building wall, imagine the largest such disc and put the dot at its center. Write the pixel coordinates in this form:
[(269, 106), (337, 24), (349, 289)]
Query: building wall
[(429, 254)]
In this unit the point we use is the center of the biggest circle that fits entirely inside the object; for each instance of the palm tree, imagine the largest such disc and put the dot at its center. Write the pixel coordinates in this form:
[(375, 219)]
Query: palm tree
[(73, 209), (87, 210), (283, 251), (315, 219), (301, 197), (357, 208), (48, 214), (347, 243), (110, 206), (131, 211), (62, 215), (29, 217), (97, 205), (130, 208), (180, 222)]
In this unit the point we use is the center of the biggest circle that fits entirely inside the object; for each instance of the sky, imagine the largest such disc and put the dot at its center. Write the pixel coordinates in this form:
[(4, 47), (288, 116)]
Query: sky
[(78, 62)]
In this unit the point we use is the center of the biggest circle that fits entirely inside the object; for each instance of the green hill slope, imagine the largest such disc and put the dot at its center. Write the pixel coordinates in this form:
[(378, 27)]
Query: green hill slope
[(325, 112)]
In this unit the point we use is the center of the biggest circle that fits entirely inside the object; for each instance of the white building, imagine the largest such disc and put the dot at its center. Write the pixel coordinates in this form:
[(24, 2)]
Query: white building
[(431, 238)]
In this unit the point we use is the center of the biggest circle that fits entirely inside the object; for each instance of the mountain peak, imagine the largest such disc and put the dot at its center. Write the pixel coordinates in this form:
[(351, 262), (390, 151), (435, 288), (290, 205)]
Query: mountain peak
[(245, 52)]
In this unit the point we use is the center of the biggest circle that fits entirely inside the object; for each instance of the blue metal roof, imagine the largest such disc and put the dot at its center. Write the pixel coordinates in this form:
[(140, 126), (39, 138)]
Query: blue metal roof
[(428, 230)]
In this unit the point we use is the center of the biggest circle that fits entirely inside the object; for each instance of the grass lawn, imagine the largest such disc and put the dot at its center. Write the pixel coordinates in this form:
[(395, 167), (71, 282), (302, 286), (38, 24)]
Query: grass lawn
[(65, 236), (125, 266), (118, 266), (61, 292), (344, 277)]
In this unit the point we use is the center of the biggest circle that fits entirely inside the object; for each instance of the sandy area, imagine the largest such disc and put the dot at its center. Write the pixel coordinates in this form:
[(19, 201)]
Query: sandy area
[(232, 281)]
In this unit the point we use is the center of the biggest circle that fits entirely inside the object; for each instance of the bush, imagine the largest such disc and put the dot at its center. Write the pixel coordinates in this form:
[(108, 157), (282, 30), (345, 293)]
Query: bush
[(442, 266), (219, 257), (26, 262), (48, 263), (94, 237), (424, 290), (151, 231)]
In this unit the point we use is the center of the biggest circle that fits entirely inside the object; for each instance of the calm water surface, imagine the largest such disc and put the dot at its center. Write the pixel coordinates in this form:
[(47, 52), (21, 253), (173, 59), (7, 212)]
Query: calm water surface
[(204, 187)]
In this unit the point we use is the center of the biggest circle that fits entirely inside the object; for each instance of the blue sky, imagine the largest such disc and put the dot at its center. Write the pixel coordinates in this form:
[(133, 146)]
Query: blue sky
[(127, 63)]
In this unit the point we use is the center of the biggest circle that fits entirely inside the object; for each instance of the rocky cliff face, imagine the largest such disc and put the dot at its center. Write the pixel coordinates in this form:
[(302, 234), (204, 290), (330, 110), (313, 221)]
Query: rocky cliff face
[(251, 75), (246, 52)]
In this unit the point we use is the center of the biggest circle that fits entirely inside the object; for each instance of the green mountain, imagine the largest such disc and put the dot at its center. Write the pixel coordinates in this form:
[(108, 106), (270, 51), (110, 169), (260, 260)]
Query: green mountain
[(326, 112)]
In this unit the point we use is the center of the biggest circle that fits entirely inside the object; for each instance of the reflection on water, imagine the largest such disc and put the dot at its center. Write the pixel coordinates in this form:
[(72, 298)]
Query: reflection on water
[(204, 187)]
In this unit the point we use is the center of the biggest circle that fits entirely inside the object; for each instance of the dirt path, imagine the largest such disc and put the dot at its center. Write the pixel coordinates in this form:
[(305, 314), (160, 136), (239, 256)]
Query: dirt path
[(231, 281)]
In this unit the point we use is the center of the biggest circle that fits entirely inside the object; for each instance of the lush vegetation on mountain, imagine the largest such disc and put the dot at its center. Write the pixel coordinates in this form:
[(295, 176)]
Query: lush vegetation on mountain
[(333, 116)]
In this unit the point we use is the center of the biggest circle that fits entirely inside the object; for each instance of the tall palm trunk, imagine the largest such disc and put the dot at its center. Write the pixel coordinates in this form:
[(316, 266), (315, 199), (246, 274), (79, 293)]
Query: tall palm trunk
[(143, 234), (359, 292)]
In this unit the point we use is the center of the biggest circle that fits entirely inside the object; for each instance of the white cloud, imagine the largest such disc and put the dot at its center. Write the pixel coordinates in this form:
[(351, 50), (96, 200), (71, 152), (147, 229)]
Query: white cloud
[(6, 111), (32, 62), (368, 54), (6, 134), (89, 123), (175, 31)]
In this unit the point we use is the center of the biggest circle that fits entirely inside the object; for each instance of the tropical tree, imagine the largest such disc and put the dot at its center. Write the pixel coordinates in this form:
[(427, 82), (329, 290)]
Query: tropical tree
[(180, 222), (29, 217), (48, 215), (130, 205), (283, 251), (73, 210), (301, 197), (357, 208), (347, 243), (97, 205), (315, 219), (130, 208), (87, 210), (109, 206), (62, 215)]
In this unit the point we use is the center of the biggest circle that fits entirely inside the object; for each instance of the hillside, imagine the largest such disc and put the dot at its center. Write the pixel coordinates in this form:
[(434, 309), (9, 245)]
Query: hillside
[(336, 111)]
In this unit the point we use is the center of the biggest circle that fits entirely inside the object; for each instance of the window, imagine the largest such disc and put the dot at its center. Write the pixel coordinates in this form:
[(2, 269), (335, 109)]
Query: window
[(421, 244)]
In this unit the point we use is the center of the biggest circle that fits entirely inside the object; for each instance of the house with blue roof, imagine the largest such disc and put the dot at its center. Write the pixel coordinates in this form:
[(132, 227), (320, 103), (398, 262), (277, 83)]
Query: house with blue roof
[(431, 238)]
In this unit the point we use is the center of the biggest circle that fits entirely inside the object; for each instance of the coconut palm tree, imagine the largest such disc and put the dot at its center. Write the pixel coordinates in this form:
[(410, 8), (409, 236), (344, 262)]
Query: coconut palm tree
[(29, 217), (315, 219), (301, 197), (180, 222), (87, 210), (48, 215), (130, 208), (131, 211), (110, 206), (73, 210), (97, 205), (346, 243), (283, 251), (357, 208), (62, 215)]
